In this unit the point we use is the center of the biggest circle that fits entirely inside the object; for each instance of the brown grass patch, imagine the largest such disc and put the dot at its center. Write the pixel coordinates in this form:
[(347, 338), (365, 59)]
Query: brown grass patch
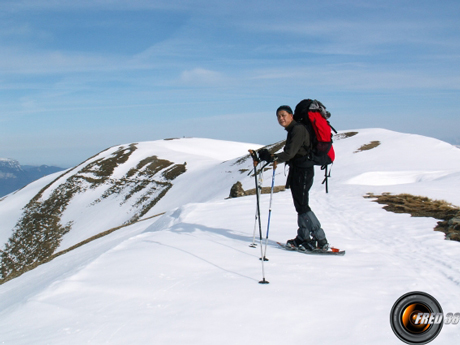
[(344, 135), (367, 147), (420, 206)]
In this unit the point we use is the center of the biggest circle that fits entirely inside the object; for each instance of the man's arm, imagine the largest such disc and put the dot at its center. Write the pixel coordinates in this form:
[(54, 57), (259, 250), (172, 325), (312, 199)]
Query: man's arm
[(296, 139)]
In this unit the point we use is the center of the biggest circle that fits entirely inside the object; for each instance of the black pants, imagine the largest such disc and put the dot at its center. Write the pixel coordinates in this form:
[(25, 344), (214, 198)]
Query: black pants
[(300, 181)]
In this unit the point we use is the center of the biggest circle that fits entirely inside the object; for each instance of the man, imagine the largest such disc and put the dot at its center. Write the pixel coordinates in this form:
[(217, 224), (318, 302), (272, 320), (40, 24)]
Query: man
[(310, 235)]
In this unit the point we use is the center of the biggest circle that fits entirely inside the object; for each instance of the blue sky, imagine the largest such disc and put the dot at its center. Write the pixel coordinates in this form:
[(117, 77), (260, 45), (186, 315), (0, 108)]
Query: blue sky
[(77, 77)]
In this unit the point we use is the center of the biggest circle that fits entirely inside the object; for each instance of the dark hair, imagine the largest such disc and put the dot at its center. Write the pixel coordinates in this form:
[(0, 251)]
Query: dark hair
[(286, 108)]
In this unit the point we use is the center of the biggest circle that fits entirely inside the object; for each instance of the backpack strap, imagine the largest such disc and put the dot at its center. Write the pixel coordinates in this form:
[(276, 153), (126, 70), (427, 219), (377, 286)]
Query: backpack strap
[(326, 176)]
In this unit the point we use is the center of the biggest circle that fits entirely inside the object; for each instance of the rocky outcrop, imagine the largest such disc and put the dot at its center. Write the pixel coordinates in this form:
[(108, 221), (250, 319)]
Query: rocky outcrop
[(237, 190)]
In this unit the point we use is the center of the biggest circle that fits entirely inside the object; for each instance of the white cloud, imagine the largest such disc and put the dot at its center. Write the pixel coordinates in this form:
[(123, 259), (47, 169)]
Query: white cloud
[(201, 76)]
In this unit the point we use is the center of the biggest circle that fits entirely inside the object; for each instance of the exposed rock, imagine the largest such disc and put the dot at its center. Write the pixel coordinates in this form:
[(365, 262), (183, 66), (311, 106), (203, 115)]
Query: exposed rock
[(237, 190)]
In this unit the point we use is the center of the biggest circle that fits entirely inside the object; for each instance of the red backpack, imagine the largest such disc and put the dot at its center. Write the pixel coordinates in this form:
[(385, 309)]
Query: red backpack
[(314, 116)]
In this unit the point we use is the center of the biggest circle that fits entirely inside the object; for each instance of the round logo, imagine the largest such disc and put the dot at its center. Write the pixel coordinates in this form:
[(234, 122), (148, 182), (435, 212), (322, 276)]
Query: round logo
[(416, 318)]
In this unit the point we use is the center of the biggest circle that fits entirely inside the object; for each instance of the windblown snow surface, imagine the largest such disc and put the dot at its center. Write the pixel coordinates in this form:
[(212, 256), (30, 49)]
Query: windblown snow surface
[(190, 277)]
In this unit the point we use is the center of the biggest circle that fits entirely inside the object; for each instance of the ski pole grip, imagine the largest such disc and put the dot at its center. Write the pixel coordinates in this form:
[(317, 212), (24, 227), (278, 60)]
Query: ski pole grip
[(254, 157)]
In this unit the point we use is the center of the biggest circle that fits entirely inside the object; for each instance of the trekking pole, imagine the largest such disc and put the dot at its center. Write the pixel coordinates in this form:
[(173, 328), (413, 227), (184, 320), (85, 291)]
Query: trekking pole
[(254, 244), (270, 207), (256, 162)]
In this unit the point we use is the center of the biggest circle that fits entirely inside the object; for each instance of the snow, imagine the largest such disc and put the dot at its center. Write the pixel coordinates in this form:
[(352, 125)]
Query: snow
[(388, 178), (189, 276)]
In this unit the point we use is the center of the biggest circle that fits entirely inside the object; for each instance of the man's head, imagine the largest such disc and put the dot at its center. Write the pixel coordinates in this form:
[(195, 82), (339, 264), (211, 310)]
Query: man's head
[(284, 115)]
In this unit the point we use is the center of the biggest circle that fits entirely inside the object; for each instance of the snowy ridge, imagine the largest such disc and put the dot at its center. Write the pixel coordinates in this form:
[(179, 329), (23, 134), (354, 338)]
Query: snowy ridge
[(9, 163), (115, 187), (189, 276)]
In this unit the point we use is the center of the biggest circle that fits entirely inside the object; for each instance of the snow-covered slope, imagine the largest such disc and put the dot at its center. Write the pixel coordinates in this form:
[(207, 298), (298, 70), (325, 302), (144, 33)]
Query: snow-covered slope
[(400, 163), (115, 187), (189, 276)]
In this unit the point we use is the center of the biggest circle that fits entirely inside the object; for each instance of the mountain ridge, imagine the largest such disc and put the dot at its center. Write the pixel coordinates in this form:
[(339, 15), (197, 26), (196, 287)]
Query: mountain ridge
[(189, 276), (124, 183), (136, 182)]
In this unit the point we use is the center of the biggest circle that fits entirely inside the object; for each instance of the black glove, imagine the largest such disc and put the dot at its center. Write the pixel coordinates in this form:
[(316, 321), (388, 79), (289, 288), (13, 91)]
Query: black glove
[(265, 155)]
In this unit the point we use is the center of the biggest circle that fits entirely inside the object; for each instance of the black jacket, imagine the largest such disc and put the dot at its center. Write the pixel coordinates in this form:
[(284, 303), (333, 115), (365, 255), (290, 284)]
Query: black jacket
[(297, 143)]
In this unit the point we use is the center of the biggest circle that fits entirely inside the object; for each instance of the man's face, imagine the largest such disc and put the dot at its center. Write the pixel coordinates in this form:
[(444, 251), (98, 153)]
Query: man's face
[(284, 118)]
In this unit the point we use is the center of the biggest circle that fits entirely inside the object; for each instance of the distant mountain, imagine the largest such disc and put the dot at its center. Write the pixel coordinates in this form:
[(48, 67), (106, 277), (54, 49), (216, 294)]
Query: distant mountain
[(13, 176)]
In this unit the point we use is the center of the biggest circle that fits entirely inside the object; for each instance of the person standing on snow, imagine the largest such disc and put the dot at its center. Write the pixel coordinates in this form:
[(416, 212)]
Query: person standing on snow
[(310, 235)]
